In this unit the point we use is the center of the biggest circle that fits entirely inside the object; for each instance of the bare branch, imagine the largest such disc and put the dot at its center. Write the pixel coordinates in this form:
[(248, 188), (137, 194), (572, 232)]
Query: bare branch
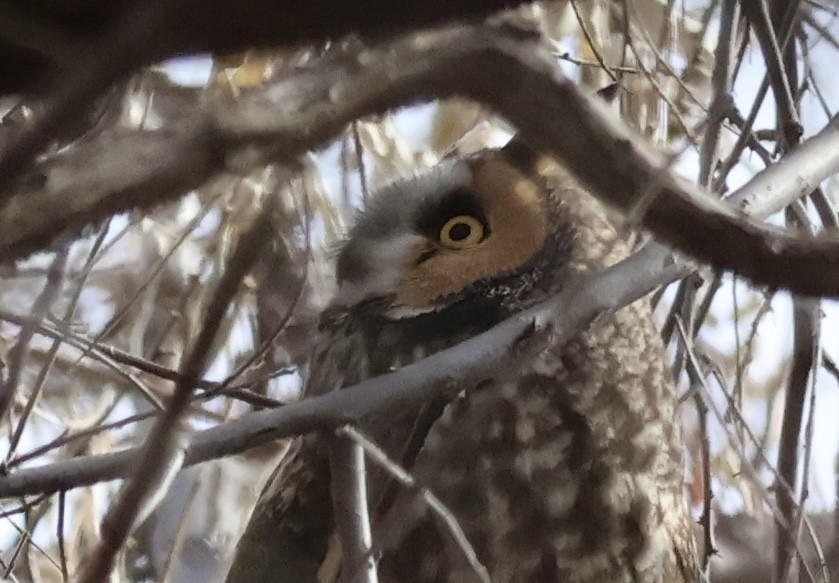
[(806, 331), (118, 171), (611, 289), (162, 454), (773, 48), (435, 505), (796, 175), (721, 103), (304, 110), (18, 353), (474, 359), (352, 516), (617, 286), (140, 33)]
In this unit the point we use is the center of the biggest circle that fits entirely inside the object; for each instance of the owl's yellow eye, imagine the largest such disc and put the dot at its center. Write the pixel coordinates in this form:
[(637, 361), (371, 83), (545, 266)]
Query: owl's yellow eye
[(461, 232)]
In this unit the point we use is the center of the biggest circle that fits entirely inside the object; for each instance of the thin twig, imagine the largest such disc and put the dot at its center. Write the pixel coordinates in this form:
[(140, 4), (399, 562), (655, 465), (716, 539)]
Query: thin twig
[(350, 509), (59, 535), (163, 450), (155, 270), (78, 342), (706, 519), (434, 504), (595, 50), (19, 352), (721, 82), (740, 446), (52, 353), (758, 14)]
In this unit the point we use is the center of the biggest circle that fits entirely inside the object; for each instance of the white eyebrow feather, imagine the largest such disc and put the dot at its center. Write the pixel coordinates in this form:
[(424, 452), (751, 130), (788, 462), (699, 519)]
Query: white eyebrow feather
[(385, 260)]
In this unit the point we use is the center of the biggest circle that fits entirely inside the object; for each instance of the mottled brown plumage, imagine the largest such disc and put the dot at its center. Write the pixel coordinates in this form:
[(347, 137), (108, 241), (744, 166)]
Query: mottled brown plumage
[(568, 468)]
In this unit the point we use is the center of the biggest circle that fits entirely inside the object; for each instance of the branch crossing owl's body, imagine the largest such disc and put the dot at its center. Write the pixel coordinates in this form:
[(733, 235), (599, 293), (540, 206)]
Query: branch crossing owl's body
[(566, 469)]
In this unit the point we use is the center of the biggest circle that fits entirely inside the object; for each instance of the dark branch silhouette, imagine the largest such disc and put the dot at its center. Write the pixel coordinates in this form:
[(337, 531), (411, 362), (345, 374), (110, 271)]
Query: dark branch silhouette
[(303, 111)]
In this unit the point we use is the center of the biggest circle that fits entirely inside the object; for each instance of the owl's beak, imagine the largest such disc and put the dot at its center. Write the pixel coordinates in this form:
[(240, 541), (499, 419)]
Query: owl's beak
[(377, 269)]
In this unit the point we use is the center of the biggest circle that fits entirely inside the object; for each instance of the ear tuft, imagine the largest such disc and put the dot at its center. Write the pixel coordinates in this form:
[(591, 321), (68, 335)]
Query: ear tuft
[(520, 154), (609, 92)]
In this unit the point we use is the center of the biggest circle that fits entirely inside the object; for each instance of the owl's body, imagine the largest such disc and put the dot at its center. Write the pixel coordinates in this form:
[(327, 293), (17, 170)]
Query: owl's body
[(567, 468)]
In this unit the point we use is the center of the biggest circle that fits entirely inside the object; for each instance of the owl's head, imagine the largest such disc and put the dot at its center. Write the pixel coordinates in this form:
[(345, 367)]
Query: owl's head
[(486, 225)]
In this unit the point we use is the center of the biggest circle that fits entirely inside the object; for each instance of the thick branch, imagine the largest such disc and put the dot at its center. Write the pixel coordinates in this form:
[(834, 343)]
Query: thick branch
[(461, 365), (614, 288), (39, 38), (143, 31), (496, 66), (120, 170), (160, 456)]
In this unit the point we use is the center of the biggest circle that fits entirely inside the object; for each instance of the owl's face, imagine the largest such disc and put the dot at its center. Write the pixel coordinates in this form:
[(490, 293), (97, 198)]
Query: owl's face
[(470, 227)]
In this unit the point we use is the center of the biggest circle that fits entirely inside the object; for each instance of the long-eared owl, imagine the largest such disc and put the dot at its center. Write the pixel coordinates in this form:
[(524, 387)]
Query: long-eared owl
[(567, 468)]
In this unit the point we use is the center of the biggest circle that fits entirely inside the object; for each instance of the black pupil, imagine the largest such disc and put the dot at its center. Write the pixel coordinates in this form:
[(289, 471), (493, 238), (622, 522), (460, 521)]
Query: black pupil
[(460, 231)]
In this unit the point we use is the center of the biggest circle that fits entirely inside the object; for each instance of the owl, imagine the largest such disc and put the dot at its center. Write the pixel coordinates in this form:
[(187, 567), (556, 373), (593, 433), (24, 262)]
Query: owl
[(566, 468)]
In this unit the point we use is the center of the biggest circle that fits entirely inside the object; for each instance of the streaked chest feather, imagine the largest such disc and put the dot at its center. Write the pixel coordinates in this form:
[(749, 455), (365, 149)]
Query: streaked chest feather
[(569, 474)]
